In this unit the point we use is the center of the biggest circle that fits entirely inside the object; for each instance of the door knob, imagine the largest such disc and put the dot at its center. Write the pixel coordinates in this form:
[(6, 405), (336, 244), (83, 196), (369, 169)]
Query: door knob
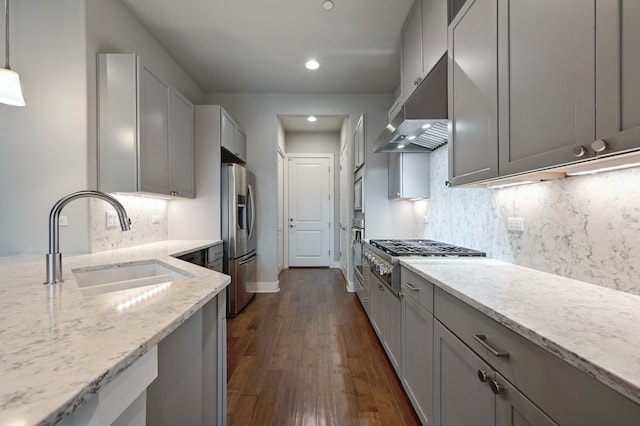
[(292, 226), (290, 219), (483, 376)]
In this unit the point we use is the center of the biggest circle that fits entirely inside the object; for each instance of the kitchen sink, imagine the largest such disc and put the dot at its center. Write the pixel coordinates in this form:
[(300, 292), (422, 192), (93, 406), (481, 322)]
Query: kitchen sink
[(102, 279)]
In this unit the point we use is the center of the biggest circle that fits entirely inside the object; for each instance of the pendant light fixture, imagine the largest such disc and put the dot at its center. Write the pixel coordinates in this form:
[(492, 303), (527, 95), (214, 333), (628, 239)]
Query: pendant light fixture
[(10, 90)]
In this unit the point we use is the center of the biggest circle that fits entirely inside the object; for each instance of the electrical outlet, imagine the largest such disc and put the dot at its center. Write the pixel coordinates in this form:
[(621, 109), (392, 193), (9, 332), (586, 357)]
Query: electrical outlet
[(155, 218), (425, 219), (62, 221), (515, 224), (112, 219)]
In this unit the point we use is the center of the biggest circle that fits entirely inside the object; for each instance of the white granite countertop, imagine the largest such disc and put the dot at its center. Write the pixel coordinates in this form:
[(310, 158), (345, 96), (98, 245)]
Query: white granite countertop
[(594, 328), (59, 347)]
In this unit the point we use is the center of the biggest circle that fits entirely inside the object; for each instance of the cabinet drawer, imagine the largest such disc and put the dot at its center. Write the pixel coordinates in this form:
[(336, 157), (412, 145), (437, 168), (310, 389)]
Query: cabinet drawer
[(417, 288), (215, 252), (568, 395)]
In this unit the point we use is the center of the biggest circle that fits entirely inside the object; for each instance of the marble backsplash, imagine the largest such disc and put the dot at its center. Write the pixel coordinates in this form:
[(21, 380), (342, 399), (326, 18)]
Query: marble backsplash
[(141, 211), (583, 227)]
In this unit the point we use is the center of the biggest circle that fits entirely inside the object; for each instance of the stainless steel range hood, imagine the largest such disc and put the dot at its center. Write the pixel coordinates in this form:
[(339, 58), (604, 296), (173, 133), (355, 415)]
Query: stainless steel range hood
[(421, 123)]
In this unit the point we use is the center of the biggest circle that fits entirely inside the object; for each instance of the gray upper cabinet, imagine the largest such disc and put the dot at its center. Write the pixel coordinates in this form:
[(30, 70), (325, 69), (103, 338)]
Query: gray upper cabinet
[(546, 85), (154, 133), (568, 86), (408, 175), (145, 130), (412, 51), (617, 71), (359, 144), (182, 146), (424, 42), (233, 138), (473, 93)]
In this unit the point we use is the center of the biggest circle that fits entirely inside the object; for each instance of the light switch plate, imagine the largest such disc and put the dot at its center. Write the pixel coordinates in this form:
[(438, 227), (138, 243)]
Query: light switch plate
[(112, 219), (62, 221), (155, 218)]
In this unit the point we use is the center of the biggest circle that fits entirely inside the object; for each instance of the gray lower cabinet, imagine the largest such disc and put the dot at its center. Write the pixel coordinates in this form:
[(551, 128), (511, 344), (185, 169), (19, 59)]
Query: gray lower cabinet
[(470, 392), (191, 383), (417, 348), (377, 307), (392, 340), (461, 398)]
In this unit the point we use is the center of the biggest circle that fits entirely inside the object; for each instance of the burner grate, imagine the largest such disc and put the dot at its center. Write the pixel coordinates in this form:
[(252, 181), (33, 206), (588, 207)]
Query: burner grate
[(422, 248)]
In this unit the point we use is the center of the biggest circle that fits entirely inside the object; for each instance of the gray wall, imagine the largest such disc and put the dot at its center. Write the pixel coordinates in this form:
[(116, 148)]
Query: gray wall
[(321, 142), (48, 148), (258, 116), (43, 146)]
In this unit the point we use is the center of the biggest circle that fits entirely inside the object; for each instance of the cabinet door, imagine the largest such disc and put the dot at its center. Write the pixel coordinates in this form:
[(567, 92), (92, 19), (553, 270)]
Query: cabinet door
[(617, 71), (547, 83), (154, 133), (395, 176), (461, 398), (358, 143), (434, 33), (473, 93), (228, 133), (182, 146), (393, 329), (514, 409), (417, 376), (377, 307), (412, 51), (240, 144)]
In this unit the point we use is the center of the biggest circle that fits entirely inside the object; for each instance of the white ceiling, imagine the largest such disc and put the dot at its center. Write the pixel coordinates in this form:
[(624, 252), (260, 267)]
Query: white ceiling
[(262, 45)]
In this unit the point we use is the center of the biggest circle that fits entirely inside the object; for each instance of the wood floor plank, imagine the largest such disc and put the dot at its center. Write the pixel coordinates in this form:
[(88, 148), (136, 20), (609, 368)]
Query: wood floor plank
[(308, 356)]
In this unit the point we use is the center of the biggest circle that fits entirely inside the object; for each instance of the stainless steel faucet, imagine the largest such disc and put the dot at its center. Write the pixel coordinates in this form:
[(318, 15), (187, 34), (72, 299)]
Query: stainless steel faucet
[(54, 257)]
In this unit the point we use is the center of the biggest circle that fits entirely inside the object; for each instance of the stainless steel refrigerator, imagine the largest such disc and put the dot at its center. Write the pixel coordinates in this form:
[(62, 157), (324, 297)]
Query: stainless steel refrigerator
[(239, 235)]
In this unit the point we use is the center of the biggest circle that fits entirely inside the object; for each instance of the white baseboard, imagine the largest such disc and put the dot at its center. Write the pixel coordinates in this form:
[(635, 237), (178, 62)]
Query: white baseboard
[(268, 287), (350, 287)]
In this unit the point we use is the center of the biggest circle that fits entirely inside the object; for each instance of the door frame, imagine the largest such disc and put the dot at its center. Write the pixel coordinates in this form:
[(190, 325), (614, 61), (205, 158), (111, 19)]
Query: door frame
[(332, 198), (281, 207)]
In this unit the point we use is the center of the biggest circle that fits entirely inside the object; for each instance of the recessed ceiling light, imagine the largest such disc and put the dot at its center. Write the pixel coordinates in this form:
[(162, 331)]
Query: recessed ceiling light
[(312, 64), (412, 137), (400, 146), (327, 5), (426, 126), (312, 119)]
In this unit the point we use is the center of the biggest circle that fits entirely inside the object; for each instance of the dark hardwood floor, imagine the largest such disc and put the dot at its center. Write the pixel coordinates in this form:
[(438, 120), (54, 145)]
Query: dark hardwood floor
[(308, 356)]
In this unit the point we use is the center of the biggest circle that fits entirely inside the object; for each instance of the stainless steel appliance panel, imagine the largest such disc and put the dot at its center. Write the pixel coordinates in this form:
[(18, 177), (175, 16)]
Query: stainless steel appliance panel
[(243, 279), (238, 234), (238, 212)]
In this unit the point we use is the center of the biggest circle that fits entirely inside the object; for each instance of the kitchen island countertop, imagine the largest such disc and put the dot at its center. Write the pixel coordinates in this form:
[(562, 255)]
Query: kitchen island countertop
[(593, 328), (58, 347)]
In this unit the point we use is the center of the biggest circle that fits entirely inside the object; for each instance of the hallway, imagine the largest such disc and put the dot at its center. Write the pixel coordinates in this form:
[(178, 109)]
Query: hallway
[(308, 356)]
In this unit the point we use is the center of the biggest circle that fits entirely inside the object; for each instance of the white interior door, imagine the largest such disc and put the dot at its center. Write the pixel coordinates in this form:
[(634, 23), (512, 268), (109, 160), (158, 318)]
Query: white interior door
[(310, 209), (345, 192), (280, 211)]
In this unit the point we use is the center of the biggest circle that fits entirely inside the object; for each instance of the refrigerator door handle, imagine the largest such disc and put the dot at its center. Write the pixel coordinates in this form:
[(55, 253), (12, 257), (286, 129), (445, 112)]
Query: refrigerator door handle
[(251, 259), (252, 207)]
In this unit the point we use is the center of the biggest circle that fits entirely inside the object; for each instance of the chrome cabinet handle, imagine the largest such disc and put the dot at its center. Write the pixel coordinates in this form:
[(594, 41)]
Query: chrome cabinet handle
[(599, 145), (482, 339), (411, 287), (496, 387), (579, 151), (483, 376)]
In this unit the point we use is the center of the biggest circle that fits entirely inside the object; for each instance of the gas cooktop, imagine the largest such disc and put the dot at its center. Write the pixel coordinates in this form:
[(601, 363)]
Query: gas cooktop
[(422, 248)]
